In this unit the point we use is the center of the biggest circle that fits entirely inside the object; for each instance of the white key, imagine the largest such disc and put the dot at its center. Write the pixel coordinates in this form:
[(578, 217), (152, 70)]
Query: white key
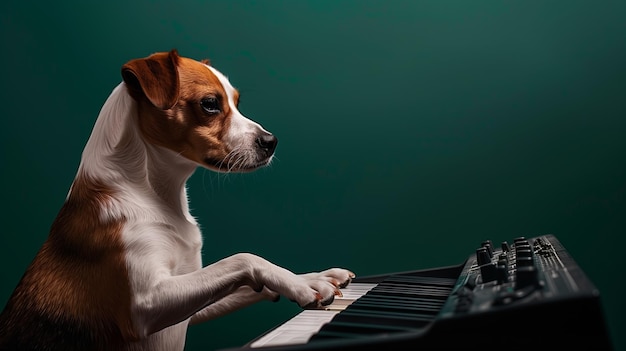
[(300, 328)]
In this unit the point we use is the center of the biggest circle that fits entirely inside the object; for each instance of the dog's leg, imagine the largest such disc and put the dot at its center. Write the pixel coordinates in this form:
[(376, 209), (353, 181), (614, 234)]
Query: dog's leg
[(244, 296), (171, 299)]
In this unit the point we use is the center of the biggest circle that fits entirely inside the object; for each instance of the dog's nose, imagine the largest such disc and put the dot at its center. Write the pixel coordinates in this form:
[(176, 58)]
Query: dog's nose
[(267, 143)]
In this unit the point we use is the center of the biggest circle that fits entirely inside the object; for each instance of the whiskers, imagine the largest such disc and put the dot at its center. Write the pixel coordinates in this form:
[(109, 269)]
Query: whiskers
[(235, 160), (238, 161)]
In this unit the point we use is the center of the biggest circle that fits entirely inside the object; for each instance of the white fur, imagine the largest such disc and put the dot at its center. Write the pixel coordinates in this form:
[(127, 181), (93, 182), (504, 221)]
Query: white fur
[(169, 286), (240, 126)]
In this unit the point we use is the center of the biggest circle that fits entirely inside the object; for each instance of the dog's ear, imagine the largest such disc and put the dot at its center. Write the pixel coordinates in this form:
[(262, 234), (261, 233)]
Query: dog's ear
[(155, 77)]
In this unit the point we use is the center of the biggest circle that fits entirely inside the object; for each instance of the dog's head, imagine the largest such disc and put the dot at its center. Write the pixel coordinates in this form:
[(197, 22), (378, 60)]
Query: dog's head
[(190, 108)]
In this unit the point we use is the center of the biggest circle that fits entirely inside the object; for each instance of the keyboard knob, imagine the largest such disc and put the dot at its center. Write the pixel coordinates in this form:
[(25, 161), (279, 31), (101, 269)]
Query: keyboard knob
[(489, 246), (524, 261), (505, 247), (488, 273), (524, 252), (520, 239), (482, 256), (504, 257), (526, 276), (502, 272), (487, 268)]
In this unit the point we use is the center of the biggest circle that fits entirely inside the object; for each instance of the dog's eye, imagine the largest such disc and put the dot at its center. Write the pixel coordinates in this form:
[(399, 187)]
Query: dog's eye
[(211, 105)]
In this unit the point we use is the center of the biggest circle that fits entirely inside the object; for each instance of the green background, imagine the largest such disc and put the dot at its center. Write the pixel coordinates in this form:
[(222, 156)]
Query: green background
[(410, 131)]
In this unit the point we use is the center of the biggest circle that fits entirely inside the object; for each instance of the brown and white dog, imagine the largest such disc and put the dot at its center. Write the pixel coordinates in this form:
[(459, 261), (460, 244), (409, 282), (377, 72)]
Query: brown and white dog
[(121, 268)]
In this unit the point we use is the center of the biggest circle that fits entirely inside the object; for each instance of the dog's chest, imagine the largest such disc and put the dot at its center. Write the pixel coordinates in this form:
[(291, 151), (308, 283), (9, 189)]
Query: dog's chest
[(173, 245), (187, 248)]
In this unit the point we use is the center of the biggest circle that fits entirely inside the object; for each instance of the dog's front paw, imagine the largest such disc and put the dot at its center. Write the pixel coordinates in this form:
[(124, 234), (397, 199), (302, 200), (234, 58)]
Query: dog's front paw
[(339, 277), (326, 285)]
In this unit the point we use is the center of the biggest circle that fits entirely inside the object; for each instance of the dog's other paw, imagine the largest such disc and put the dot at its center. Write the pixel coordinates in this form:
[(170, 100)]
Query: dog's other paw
[(339, 277), (314, 293), (323, 287)]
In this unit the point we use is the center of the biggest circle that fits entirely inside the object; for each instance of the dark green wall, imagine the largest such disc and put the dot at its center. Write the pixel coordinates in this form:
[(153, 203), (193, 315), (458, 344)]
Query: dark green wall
[(409, 131)]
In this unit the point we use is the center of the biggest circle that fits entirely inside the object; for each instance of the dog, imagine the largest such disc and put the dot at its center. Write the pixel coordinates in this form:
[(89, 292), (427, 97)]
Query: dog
[(121, 268)]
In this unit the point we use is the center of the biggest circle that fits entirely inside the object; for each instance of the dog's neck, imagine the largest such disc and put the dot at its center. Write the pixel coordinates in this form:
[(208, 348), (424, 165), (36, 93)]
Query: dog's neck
[(117, 154)]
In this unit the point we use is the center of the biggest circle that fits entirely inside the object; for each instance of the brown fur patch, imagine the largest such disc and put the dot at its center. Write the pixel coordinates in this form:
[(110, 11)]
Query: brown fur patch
[(154, 77), (185, 128), (76, 291)]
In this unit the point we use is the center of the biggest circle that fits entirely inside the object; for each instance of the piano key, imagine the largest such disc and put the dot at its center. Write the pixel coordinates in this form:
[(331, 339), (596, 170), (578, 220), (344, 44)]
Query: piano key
[(390, 306), (299, 329), (402, 303), (352, 330), (414, 320)]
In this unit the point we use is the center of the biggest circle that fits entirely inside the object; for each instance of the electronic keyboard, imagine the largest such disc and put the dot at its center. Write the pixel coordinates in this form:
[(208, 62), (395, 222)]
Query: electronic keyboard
[(529, 294)]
